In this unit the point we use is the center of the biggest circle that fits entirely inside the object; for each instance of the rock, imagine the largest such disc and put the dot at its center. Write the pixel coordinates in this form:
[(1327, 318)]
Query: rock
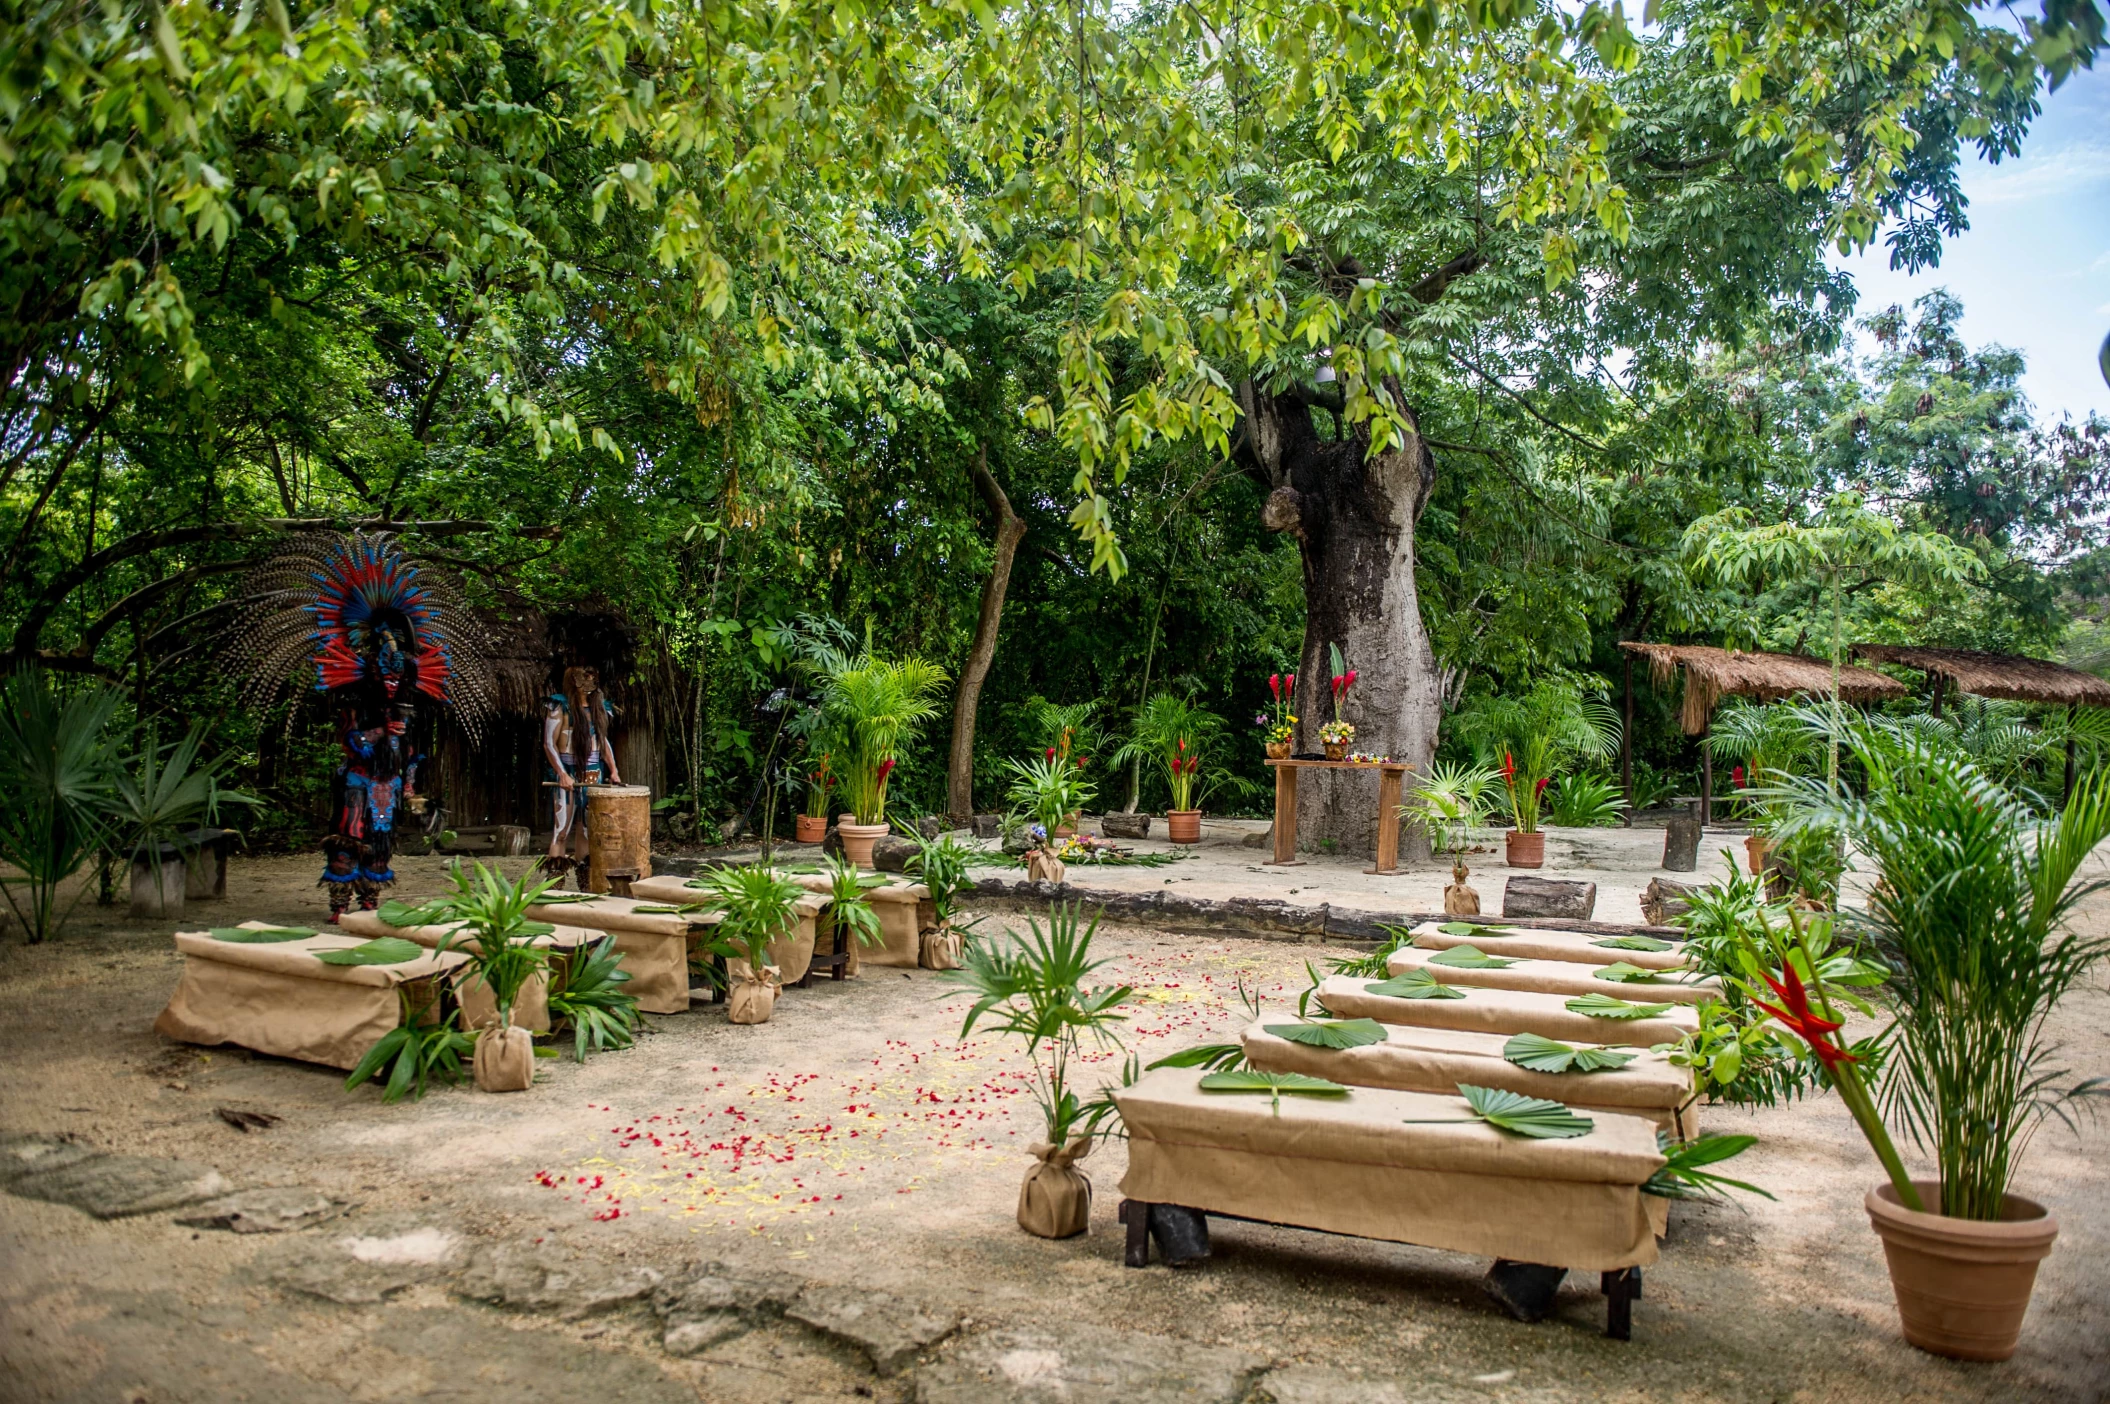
[(1665, 899), (706, 1331), (1018, 843), (888, 1330), (987, 826), (1127, 826), (1548, 897), (263, 1211), (1312, 1384), (1264, 839), (379, 1259), (890, 854), (832, 845), (1681, 842), (1086, 1367), (536, 1277), (712, 1303), (930, 826), (95, 1182)]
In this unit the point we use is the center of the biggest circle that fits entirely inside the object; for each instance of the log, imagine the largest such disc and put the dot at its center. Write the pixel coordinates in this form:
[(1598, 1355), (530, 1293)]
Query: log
[(1125, 826), (1549, 897), (1665, 899)]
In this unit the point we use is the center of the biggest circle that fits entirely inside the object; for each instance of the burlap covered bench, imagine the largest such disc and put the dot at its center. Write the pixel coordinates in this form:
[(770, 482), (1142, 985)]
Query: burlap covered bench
[(530, 1010), (654, 945), (279, 999), (904, 910), (1437, 1060), (1353, 1165), (1562, 977), (1546, 945), (791, 954), (1509, 1012)]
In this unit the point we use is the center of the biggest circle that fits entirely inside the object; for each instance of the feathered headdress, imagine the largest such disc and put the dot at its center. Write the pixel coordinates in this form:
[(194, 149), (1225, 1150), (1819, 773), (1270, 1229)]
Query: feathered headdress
[(317, 605)]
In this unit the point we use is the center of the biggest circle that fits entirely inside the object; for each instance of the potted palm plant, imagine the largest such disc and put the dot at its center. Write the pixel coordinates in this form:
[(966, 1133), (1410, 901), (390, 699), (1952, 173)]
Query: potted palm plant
[(876, 705), (849, 914), (942, 864), (1531, 736), (506, 951), (1049, 789), (1452, 802), (1175, 733), (1032, 987), (1971, 917), (760, 908)]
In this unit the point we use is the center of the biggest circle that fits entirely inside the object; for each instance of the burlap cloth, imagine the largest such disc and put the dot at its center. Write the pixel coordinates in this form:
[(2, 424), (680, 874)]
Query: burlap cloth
[(530, 1010), (654, 945), (1352, 1165), (1561, 977), (279, 999), (1437, 1060), (900, 926), (1505, 1012), (1548, 945)]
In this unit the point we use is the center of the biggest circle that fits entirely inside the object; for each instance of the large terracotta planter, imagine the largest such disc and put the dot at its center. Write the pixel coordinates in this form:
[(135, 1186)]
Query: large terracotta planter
[(1184, 825), (810, 828), (858, 840), (1526, 850), (1755, 849), (1962, 1285)]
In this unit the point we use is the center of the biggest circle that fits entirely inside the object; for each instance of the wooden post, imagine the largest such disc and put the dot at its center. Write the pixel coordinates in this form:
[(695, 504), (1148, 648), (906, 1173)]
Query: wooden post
[(1626, 739), (1388, 789), (2073, 759), (1285, 813), (1706, 775), (1941, 685)]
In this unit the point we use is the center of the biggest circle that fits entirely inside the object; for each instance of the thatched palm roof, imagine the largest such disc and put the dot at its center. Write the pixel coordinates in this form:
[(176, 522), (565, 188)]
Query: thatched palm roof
[(1714, 673), (1998, 674)]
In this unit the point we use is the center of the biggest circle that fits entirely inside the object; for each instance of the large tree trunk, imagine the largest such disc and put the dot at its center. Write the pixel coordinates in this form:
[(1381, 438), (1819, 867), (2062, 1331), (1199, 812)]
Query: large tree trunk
[(1353, 516), (1010, 527)]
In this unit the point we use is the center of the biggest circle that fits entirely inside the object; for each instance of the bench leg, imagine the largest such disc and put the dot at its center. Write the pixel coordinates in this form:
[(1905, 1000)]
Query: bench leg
[(1136, 1215), (1182, 1234), (1620, 1289), (1524, 1290)]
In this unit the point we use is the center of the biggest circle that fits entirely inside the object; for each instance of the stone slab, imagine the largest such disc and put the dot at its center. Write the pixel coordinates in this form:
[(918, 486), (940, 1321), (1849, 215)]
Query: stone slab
[(1086, 1367), (108, 1186), (711, 1303), (370, 1262), (264, 1211), (890, 1331), (538, 1277)]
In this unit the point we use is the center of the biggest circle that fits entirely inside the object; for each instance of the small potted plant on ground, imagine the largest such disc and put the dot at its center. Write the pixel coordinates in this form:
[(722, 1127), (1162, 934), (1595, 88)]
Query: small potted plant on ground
[(812, 825), (1530, 737), (506, 951), (1033, 987), (942, 864), (1281, 722), (760, 909), (1450, 804), (1771, 740), (876, 705), (1336, 735), (1050, 789), (1174, 732), (1971, 914), (849, 914)]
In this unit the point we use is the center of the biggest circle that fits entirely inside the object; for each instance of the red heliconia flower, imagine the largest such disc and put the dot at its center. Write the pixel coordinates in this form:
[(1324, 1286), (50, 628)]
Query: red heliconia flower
[(1274, 685), (1051, 753), (1509, 769), (1543, 779), (1800, 1019), (886, 768), (1736, 776), (1289, 685), (1183, 745)]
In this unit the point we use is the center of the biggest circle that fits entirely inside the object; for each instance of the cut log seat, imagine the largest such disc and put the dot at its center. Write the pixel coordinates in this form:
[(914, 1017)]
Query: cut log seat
[(1505, 1012), (1561, 977), (1402, 1167), (1437, 1060), (279, 999), (1546, 945)]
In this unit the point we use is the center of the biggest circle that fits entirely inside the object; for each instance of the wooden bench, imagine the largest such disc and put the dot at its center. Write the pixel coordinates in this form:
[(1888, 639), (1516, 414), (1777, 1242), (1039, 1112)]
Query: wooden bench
[(530, 1010), (1353, 1165)]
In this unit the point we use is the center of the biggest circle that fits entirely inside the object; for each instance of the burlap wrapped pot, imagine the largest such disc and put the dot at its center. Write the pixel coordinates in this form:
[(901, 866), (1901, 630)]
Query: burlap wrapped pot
[(1043, 867), (504, 1059), (1056, 1199), (752, 999), (940, 949)]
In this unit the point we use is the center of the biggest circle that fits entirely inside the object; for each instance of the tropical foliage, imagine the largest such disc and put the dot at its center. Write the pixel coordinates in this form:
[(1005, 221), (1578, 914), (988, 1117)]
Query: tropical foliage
[(1530, 735)]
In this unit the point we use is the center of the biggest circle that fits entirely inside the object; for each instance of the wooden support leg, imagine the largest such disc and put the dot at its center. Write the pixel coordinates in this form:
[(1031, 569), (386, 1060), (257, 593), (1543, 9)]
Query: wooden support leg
[(1285, 816), (1136, 1215), (1620, 1289), (1387, 822)]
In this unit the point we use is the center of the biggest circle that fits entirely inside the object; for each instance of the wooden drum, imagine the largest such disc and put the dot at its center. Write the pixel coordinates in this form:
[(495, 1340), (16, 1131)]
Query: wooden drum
[(618, 833)]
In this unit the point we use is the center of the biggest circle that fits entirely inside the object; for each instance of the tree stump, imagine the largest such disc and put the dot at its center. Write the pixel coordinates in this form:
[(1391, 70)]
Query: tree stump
[(1664, 900), (1125, 826), (1549, 897), (1681, 842)]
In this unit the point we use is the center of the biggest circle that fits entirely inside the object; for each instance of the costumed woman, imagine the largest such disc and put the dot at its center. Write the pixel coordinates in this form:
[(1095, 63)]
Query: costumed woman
[(575, 752), (380, 634)]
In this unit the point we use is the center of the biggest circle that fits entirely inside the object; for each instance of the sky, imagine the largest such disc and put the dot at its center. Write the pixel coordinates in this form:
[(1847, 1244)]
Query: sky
[(2033, 269)]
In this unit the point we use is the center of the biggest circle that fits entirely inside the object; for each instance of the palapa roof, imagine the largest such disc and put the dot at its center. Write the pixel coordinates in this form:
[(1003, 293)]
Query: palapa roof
[(2006, 675), (1714, 673)]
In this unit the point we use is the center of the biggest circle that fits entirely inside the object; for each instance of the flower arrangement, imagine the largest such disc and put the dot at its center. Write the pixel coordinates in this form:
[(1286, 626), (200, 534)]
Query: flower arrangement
[(1282, 725), (820, 785), (1337, 733)]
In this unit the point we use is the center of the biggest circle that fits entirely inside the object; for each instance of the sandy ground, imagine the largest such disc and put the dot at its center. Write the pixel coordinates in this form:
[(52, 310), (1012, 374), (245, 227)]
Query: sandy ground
[(856, 1140)]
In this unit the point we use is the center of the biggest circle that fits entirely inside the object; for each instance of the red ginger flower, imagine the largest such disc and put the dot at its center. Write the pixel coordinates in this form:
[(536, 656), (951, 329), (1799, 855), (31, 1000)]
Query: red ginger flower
[(1274, 685), (1800, 1019), (1542, 785), (886, 768), (1051, 753), (1736, 776), (1509, 769), (1289, 684)]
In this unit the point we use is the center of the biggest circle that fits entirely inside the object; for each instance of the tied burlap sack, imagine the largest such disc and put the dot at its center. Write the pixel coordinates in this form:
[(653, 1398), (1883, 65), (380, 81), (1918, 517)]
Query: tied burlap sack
[(941, 949), (1056, 1199), (1459, 899), (752, 1000), (505, 1059), (1041, 867)]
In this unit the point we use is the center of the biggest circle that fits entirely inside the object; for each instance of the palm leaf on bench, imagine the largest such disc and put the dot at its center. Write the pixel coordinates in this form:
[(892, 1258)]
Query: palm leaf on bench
[(1275, 1084), (1415, 983), (1547, 1055), (1330, 1033)]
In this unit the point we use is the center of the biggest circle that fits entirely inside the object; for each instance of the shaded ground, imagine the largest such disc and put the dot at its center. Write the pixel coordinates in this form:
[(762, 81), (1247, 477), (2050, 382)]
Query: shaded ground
[(853, 1141)]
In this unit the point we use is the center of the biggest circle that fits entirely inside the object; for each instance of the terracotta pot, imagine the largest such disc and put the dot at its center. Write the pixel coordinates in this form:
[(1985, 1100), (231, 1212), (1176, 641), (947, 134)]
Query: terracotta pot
[(810, 828), (1068, 827), (1336, 750), (1526, 850), (1278, 750), (1755, 848), (504, 1060), (858, 840), (1184, 825), (1962, 1285)]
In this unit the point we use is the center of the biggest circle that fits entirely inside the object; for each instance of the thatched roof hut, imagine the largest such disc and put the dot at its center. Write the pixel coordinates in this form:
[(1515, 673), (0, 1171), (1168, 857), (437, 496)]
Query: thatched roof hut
[(2007, 675), (1714, 673)]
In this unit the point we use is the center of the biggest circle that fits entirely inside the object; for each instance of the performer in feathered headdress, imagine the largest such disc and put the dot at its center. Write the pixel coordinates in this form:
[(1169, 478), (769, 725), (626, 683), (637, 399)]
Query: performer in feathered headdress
[(377, 631)]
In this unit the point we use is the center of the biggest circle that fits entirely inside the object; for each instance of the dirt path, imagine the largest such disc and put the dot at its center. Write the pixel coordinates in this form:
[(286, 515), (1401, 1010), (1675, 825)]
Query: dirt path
[(855, 1141)]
